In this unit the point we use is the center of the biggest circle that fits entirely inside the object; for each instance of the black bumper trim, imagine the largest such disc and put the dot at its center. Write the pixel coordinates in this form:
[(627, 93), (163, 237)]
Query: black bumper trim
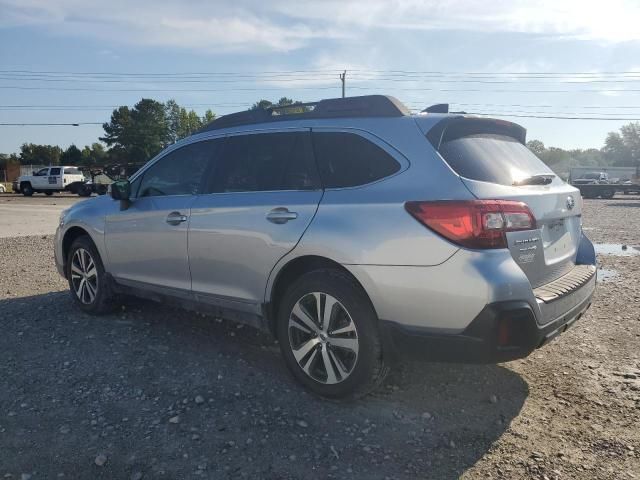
[(501, 332)]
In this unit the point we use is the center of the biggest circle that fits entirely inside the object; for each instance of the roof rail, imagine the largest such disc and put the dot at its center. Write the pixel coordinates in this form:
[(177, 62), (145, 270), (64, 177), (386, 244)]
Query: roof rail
[(364, 106)]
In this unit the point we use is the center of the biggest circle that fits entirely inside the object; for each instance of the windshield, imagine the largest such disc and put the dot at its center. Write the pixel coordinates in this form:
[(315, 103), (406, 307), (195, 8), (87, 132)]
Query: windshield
[(492, 158)]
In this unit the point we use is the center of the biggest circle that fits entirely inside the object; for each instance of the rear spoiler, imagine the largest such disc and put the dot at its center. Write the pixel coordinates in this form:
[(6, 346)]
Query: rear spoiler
[(452, 128)]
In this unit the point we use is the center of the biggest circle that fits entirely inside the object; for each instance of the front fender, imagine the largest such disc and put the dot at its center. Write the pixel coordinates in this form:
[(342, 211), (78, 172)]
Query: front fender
[(89, 215)]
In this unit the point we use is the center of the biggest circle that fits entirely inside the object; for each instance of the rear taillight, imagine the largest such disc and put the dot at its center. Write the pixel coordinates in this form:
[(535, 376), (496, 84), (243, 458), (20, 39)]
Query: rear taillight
[(474, 223)]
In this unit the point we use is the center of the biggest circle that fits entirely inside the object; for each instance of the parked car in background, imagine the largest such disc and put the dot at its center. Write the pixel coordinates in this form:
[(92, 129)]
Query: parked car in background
[(50, 180), (592, 178), (355, 233), (594, 185)]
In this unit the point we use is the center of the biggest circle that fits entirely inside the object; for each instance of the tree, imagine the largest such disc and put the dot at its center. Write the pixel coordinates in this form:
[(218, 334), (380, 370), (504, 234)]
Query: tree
[(283, 102), (261, 104), (173, 112), (183, 122), (537, 147), (139, 133), (93, 155), (631, 139), (208, 117), (33, 154), (8, 160), (615, 150), (71, 156)]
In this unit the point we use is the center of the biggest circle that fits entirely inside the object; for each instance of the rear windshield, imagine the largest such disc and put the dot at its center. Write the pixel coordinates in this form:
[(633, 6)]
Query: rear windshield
[(492, 158)]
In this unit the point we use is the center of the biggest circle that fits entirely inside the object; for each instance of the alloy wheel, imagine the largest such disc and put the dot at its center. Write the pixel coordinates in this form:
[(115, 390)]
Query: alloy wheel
[(84, 276), (323, 338)]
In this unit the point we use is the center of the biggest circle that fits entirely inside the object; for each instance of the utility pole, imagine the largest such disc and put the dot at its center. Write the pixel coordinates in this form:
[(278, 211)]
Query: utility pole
[(343, 79)]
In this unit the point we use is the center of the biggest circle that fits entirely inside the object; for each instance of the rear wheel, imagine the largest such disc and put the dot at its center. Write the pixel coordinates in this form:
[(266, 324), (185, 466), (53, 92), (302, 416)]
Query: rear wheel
[(328, 335), (88, 283), (607, 194), (26, 189)]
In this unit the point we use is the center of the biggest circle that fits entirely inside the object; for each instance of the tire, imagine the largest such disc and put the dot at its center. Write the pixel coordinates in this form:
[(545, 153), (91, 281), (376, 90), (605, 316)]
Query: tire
[(26, 189), (84, 191), (48, 193), (608, 194), (96, 296), (350, 370)]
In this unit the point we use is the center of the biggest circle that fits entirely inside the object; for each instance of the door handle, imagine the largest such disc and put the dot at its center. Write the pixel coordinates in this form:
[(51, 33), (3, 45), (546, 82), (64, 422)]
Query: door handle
[(176, 218), (281, 215)]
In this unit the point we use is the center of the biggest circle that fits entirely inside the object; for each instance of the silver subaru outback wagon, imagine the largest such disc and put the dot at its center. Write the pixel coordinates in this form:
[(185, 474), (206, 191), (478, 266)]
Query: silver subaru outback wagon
[(354, 232)]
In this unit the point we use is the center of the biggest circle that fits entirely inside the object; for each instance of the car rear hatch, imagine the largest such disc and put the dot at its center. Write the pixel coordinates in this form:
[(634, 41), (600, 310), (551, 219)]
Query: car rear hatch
[(493, 162)]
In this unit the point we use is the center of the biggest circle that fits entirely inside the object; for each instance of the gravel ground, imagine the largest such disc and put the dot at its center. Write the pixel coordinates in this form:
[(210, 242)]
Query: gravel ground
[(155, 392)]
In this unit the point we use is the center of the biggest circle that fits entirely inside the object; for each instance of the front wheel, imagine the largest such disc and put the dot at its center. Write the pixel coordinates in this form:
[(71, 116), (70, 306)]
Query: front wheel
[(328, 335), (90, 289), (26, 189)]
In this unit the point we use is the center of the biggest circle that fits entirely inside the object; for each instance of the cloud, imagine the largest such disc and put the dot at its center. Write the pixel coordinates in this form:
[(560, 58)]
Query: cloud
[(611, 21), (201, 26), (286, 25)]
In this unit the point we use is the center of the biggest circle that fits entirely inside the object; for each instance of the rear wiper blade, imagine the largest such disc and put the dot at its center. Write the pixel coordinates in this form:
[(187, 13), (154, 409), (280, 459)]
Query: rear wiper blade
[(538, 179)]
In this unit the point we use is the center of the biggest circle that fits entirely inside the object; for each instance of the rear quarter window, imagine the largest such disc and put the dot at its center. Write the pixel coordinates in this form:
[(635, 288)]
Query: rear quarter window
[(491, 158), (349, 160)]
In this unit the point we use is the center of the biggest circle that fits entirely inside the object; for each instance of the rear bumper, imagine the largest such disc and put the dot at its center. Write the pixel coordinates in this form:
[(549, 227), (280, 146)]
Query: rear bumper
[(502, 331)]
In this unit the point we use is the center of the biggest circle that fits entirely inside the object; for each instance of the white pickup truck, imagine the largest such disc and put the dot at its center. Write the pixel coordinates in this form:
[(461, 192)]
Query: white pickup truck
[(49, 180)]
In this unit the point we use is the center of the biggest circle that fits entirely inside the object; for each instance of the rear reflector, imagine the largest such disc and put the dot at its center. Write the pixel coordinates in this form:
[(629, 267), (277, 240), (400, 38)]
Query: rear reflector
[(474, 223)]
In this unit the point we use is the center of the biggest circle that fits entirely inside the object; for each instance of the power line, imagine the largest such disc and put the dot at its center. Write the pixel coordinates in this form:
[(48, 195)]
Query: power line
[(502, 114), (326, 72), (243, 104), (84, 89), (552, 117), (74, 124), (279, 89), (324, 81)]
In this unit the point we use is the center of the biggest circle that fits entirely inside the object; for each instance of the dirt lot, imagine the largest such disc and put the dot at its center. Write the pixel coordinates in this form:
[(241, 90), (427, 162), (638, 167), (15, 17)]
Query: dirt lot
[(38, 215), (153, 392)]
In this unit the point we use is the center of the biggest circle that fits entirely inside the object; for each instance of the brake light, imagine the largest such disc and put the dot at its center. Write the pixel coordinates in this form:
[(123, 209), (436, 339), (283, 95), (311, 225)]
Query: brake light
[(474, 223)]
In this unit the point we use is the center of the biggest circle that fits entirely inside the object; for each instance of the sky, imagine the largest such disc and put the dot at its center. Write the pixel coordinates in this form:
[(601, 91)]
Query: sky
[(73, 61)]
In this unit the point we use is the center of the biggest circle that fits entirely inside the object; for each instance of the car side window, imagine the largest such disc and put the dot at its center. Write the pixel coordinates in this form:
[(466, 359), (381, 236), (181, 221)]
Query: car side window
[(42, 172), (349, 160), (54, 171), (179, 172), (266, 162)]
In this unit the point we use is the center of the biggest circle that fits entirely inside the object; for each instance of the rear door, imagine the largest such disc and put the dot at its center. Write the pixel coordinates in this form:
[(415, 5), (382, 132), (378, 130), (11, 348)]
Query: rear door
[(494, 163), (262, 196), (54, 181)]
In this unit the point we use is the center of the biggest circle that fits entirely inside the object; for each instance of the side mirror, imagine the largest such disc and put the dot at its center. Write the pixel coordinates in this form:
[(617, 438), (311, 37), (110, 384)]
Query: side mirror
[(121, 190)]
